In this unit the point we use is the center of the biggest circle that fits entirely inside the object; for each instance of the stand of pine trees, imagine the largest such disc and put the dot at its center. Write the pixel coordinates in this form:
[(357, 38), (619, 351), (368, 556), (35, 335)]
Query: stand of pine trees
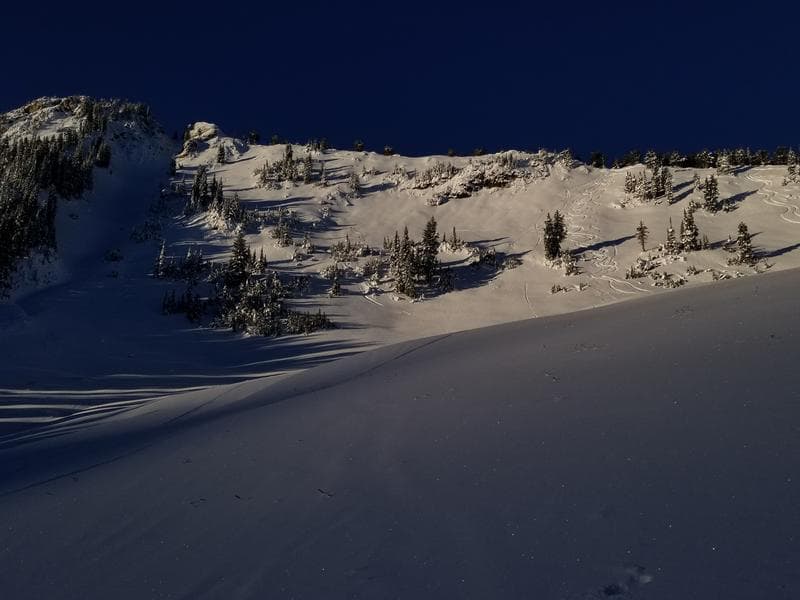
[(35, 173), (725, 160), (287, 169), (690, 234), (413, 262), (208, 195), (658, 185), (243, 294), (642, 234)]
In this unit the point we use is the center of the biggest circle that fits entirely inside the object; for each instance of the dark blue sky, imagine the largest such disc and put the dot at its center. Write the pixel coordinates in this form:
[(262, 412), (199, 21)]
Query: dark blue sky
[(427, 76)]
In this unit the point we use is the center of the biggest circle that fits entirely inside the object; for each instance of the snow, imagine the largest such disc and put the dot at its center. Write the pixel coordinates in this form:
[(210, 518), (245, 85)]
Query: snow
[(644, 447), (572, 457), (76, 345)]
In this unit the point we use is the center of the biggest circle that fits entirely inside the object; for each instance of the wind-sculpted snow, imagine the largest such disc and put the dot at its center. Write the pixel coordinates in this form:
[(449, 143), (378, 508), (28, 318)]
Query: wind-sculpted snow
[(647, 449)]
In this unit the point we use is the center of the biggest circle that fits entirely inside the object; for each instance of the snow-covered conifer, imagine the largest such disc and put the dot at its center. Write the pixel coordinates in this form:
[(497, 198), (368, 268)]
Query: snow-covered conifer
[(690, 235), (744, 246), (554, 233), (653, 162), (724, 163), (429, 250), (354, 182), (791, 168), (711, 194), (642, 234), (671, 246)]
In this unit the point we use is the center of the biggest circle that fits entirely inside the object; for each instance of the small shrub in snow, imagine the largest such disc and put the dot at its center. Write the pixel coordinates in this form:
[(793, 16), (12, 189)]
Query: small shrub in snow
[(510, 262), (666, 280), (347, 251), (282, 235)]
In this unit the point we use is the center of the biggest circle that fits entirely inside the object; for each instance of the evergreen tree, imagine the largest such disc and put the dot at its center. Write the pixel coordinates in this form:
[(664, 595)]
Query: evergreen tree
[(744, 246), (221, 155), (455, 243), (238, 266), (642, 234), (554, 233), (711, 194), (405, 266), (653, 162), (724, 163), (429, 251), (358, 146), (336, 287), (355, 184), (690, 236), (666, 184), (630, 183), (569, 263), (671, 246), (791, 168)]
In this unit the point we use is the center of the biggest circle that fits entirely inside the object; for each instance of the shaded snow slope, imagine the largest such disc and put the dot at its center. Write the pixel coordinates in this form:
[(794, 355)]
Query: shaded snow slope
[(641, 450)]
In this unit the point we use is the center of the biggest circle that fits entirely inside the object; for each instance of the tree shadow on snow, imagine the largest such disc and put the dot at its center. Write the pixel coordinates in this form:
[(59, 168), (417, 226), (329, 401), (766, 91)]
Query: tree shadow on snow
[(603, 244), (217, 357), (736, 199), (779, 251), (480, 272), (682, 196), (377, 187)]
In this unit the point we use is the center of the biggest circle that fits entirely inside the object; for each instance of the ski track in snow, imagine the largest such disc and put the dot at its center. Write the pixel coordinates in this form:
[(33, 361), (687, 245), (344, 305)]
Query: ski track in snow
[(613, 282), (770, 197), (528, 300), (370, 299), (602, 259)]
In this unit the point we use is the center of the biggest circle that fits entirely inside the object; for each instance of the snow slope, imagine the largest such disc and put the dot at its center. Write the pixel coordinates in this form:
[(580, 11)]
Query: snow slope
[(600, 225), (641, 450), (97, 341)]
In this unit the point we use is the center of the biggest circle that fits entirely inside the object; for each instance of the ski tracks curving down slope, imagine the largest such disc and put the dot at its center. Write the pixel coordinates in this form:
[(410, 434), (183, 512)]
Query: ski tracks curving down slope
[(770, 196)]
